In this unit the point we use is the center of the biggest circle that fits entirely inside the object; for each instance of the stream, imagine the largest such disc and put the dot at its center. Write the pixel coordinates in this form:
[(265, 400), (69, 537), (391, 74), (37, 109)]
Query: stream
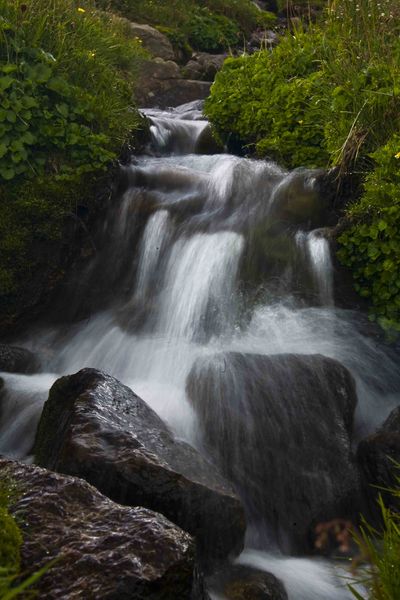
[(203, 254)]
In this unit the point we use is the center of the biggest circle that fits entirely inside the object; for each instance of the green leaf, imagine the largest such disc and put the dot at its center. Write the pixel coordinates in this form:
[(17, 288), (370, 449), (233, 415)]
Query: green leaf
[(6, 82), (7, 173)]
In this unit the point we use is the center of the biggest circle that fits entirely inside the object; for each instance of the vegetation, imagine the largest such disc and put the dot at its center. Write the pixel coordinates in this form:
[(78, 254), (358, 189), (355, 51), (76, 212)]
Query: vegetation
[(330, 96), (67, 73), (206, 25), (380, 551), (12, 582)]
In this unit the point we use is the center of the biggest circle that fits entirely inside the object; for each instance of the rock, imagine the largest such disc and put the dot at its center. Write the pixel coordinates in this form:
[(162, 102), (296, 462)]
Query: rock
[(153, 40), (261, 40), (377, 456), (102, 550), (280, 427), (240, 582), (161, 69), (18, 360), (94, 427), (203, 66), (161, 86), (207, 144)]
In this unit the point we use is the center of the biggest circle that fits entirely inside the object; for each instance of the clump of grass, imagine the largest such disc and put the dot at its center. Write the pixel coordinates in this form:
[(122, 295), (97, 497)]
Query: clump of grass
[(380, 551)]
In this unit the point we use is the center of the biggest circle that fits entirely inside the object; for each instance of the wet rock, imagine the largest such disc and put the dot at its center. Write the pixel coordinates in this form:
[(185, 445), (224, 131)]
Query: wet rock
[(280, 427), (96, 428), (102, 550), (378, 455), (203, 66), (207, 144), (18, 360), (153, 40), (240, 582)]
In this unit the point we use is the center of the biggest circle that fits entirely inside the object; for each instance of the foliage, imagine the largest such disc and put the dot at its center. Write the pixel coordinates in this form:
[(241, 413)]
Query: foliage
[(210, 32), (12, 583), (272, 101), (381, 551), (67, 73), (207, 25), (330, 95), (371, 245), (11, 538)]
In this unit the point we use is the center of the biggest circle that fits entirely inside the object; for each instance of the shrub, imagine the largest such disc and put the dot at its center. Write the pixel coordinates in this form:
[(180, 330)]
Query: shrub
[(67, 74), (207, 25), (370, 246), (209, 32), (273, 102)]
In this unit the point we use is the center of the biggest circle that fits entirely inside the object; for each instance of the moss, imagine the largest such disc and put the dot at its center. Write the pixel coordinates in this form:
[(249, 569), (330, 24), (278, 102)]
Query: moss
[(10, 537)]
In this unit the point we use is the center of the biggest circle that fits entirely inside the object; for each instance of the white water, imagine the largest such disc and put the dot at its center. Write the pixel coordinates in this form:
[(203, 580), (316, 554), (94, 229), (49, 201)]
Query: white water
[(182, 275)]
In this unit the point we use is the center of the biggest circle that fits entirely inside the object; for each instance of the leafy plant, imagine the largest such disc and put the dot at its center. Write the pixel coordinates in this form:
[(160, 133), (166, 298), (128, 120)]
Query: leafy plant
[(273, 102), (67, 77), (370, 246), (380, 553)]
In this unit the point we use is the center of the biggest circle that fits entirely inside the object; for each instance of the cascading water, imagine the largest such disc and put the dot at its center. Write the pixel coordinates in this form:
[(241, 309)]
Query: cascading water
[(205, 254)]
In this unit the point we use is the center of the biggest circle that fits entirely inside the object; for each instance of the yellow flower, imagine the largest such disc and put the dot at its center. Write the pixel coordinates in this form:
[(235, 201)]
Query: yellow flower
[(92, 54), (397, 155), (81, 10)]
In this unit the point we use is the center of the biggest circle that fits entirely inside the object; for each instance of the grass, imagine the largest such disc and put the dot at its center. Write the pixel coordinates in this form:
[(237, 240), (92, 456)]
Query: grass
[(380, 552), (67, 78)]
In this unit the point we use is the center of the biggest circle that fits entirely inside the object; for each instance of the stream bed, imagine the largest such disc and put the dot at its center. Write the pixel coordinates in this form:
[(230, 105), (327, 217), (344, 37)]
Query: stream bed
[(207, 255)]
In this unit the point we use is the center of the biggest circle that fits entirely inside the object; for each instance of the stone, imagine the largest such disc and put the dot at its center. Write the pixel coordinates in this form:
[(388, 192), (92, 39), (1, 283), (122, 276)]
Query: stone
[(240, 582), (161, 85), (94, 427), (153, 40), (203, 66), (207, 144), (101, 550), (14, 359), (280, 428), (378, 455)]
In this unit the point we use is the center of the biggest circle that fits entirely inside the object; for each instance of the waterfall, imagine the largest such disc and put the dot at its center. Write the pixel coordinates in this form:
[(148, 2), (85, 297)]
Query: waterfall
[(154, 240), (317, 253), (200, 278), (204, 255)]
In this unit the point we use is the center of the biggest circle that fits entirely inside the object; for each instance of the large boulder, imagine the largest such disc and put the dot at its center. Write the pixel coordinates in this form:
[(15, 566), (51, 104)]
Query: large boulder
[(96, 428), (379, 457), (280, 427), (102, 550), (240, 582), (153, 40), (14, 359)]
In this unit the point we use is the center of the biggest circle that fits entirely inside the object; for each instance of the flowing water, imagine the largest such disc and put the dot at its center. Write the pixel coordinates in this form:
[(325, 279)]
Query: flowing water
[(203, 254)]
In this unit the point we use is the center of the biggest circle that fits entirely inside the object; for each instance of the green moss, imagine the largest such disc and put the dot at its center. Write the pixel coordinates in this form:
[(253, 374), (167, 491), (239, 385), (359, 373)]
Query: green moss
[(10, 534)]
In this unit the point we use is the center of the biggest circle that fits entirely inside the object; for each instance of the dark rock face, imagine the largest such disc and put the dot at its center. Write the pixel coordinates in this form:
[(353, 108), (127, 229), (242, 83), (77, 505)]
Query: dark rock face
[(239, 582), (280, 427), (17, 360), (94, 427), (103, 550), (377, 455)]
